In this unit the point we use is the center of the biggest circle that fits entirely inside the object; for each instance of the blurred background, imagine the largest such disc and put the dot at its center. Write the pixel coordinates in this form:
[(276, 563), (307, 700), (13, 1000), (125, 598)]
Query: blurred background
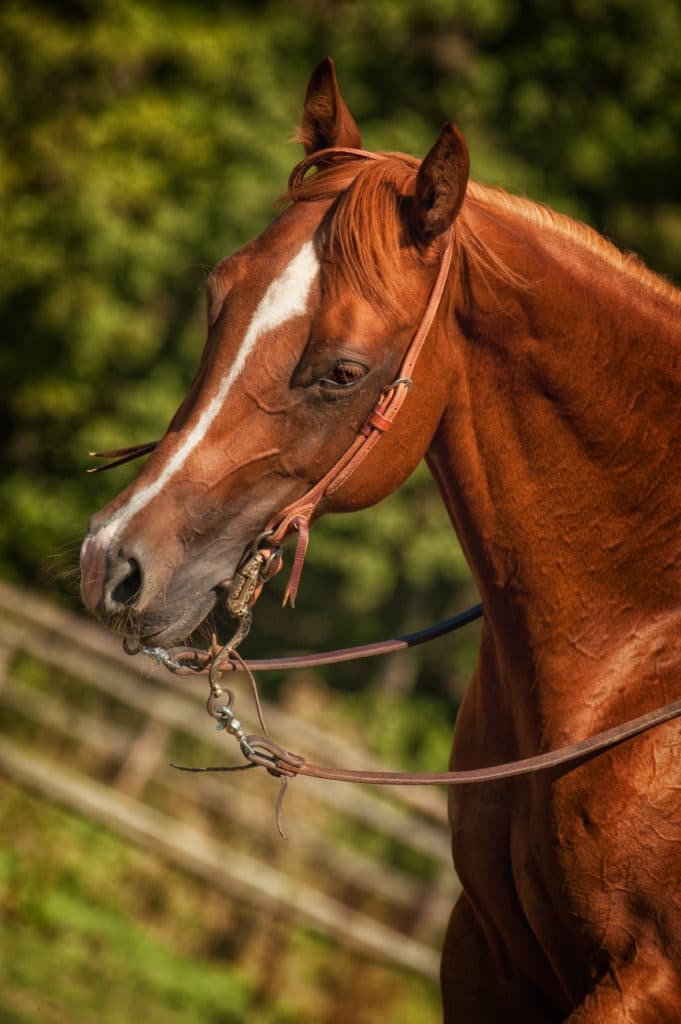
[(142, 142)]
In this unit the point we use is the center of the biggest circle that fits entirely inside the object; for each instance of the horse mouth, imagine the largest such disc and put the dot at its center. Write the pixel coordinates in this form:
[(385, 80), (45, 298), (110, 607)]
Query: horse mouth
[(163, 628)]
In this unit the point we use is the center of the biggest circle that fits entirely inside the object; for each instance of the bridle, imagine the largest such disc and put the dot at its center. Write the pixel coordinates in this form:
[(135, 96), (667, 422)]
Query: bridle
[(263, 560)]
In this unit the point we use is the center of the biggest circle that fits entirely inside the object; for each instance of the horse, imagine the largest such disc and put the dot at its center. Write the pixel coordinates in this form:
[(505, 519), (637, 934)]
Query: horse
[(546, 403)]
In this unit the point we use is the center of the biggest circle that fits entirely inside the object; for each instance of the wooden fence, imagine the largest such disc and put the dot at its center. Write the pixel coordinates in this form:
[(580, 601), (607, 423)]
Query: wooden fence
[(112, 725)]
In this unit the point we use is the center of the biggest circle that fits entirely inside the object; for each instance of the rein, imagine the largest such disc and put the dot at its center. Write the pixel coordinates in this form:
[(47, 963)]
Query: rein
[(260, 750), (192, 661)]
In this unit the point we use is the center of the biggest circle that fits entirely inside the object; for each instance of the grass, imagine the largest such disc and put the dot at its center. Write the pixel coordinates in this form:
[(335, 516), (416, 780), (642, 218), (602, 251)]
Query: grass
[(97, 930), (82, 939)]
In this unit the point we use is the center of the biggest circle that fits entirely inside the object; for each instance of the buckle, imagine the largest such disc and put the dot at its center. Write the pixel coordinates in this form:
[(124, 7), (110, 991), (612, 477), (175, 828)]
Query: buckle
[(407, 381)]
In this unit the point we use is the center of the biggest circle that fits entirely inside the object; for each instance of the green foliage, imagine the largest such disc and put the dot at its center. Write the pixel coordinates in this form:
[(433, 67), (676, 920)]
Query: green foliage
[(72, 947), (143, 141), (140, 142), (96, 930), (395, 733)]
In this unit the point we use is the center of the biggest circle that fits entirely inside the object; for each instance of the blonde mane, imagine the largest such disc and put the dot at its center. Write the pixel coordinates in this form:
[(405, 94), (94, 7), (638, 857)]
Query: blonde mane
[(573, 230), (365, 228), (366, 225)]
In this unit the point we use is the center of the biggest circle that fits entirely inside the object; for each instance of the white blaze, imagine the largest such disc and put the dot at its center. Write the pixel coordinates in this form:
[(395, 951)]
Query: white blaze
[(285, 299)]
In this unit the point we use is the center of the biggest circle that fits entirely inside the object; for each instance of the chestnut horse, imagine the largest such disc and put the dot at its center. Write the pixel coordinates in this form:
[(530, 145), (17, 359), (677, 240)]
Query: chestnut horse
[(546, 403)]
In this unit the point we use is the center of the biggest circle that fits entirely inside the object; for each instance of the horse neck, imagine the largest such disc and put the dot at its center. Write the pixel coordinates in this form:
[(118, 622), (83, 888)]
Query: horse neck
[(556, 459)]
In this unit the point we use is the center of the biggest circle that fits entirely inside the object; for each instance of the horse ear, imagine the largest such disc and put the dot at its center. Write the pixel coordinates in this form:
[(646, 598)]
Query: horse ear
[(326, 120), (441, 183)]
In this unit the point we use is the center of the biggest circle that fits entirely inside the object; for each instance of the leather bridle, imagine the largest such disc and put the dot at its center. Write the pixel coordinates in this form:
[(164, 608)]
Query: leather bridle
[(263, 559), (298, 515)]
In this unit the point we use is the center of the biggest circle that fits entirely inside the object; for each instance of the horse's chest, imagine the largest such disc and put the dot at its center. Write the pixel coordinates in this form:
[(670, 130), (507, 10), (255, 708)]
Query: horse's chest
[(536, 900), (581, 861)]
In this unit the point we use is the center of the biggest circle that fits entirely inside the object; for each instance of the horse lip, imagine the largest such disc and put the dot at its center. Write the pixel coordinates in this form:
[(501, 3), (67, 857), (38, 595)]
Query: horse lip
[(224, 584), (168, 636), (162, 637), (157, 634)]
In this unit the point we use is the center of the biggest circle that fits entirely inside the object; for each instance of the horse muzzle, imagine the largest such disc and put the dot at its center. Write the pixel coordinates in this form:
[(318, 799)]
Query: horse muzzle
[(142, 597)]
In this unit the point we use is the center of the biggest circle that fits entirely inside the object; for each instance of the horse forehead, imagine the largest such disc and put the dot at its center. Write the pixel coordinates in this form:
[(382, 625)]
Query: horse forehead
[(263, 259), (270, 291)]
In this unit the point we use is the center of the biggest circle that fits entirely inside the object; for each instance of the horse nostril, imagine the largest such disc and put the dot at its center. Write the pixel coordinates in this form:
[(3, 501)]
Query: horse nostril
[(126, 589)]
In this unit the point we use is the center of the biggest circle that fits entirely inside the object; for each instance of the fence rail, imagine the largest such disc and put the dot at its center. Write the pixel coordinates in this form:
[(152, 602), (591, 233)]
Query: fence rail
[(94, 730)]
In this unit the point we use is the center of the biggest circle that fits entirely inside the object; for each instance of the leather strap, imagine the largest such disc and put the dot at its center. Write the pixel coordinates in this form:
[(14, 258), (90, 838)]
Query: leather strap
[(265, 752), (192, 661)]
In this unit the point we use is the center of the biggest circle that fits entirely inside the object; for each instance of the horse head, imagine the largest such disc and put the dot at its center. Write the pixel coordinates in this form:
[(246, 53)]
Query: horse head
[(307, 325)]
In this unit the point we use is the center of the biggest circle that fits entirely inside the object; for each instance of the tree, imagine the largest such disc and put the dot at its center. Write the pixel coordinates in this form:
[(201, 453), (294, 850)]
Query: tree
[(144, 141)]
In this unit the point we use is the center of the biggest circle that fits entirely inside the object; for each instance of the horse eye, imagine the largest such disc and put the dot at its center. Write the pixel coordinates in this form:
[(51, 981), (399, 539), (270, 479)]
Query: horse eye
[(343, 375)]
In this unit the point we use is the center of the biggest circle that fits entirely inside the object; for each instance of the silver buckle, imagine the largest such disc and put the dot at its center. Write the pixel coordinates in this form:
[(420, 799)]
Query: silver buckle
[(407, 381)]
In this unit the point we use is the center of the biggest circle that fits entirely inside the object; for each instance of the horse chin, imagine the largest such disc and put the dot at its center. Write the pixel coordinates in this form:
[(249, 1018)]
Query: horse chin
[(160, 630)]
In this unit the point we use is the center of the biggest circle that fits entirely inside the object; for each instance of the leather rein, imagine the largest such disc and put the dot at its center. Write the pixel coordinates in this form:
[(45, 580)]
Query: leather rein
[(264, 559)]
